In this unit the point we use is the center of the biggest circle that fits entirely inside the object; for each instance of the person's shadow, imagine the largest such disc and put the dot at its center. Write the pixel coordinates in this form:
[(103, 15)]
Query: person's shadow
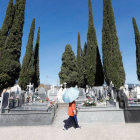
[(71, 124)]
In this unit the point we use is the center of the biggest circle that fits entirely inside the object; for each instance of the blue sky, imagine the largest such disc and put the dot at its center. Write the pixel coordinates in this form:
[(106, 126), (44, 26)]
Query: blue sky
[(60, 22)]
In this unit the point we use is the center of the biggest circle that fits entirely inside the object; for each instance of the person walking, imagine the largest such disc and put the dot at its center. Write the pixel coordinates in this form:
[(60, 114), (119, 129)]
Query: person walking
[(72, 116)]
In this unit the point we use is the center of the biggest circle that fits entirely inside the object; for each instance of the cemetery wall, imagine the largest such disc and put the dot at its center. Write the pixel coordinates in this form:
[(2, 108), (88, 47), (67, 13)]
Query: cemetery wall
[(132, 115), (100, 116), (28, 119)]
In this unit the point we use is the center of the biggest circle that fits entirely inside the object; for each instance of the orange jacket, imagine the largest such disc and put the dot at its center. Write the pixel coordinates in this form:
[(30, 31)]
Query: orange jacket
[(71, 108)]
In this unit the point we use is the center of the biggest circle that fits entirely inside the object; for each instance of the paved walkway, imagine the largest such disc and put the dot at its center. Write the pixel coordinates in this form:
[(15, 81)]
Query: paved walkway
[(55, 132)]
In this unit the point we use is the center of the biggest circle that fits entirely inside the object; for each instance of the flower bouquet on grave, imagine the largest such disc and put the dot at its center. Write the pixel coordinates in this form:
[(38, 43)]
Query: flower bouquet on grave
[(11, 99), (50, 106), (11, 102), (47, 99), (89, 102), (40, 101), (108, 98), (28, 99), (38, 98), (34, 96), (17, 98), (101, 100), (130, 99)]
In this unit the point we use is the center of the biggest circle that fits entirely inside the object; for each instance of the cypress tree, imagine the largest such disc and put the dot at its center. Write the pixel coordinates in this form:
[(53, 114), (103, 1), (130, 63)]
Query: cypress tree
[(93, 61), (10, 65), (28, 68), (137, 42), (120, 79), (68, 71), (99, 77), (112, 59), (79, 63), (36, 58), (84, 64), (7, 24), (91, 49)]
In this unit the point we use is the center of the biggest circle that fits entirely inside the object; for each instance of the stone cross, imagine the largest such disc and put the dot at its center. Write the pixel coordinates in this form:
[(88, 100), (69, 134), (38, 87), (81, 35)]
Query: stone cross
[(30, 86), (65, 84)]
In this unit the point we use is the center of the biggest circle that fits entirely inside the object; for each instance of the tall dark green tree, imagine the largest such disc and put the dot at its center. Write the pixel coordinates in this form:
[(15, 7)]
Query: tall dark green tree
[(10, 54), (36, 58), (84, 64), (91, 49), (99, 76), (112, 59), (7, 24), (92, 54), (28, 68), (79, 63), (68, 71), (137, 42)]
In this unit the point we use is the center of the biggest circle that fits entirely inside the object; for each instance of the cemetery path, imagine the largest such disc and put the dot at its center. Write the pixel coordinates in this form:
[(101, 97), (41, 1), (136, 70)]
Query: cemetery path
[(61, 116), (114, 131), (88, 132)]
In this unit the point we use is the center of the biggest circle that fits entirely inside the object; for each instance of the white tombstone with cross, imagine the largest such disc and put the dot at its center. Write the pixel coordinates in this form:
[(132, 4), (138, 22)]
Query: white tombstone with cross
[(64, 85), (30, 87)]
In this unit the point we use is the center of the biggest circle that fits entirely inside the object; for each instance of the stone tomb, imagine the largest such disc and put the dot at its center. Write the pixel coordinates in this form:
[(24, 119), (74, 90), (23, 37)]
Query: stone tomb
[(82, 96), (52, 93), (5, 102), (42, 93)]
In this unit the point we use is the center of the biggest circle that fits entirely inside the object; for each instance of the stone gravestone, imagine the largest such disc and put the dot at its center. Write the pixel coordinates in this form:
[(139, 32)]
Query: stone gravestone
[(23, 97), (82, 96), (5, 101), (12, 104), (52, 93), (111, 90), (41, 93), (98, 92), (65, 85), (138, 92), (31, 91), (17, 90), (126, 91), (87, 88), (60, 94)]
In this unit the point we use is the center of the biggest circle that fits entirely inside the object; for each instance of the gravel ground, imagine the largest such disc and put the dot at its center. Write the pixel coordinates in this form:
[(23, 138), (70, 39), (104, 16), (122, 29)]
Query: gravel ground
[(87, 132)]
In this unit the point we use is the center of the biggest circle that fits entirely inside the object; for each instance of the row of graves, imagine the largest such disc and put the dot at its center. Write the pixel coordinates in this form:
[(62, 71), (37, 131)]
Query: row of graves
[(28, 107), (104, 103), (129, 101), (99, 105)]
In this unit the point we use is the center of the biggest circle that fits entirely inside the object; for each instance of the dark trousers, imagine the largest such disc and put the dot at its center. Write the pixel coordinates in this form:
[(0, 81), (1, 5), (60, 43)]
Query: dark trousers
[(71, 118)]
